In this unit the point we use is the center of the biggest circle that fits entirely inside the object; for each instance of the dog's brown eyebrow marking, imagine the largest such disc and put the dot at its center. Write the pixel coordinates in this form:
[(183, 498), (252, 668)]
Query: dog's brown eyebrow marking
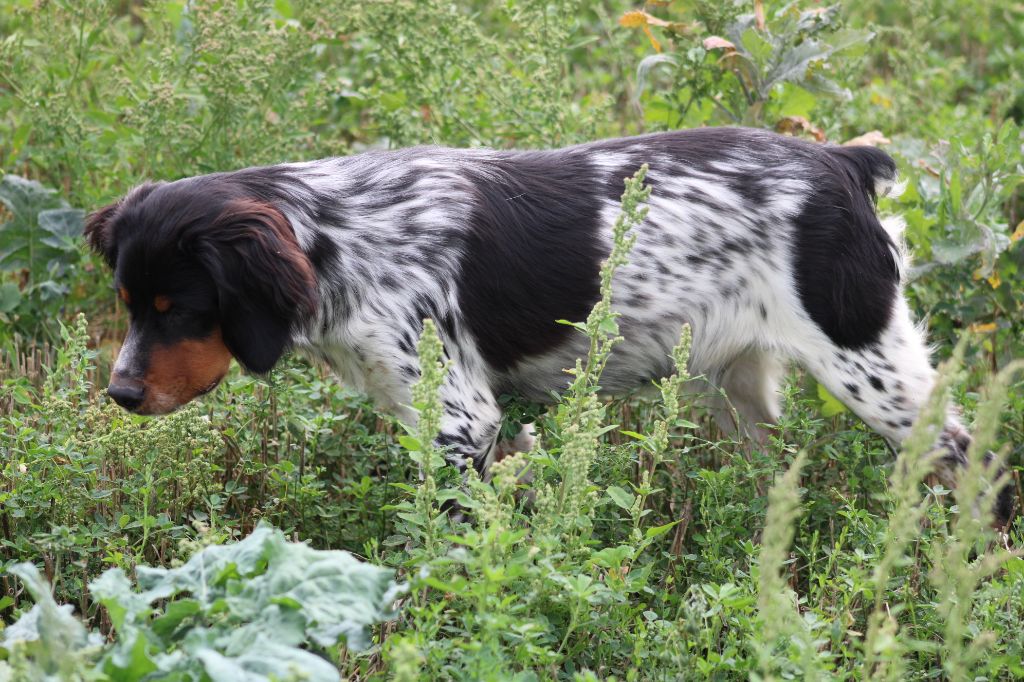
[(162, 304), (123, 294)]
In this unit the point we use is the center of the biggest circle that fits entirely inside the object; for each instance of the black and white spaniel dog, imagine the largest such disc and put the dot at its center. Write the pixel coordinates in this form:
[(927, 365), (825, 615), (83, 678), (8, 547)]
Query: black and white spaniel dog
[(768, 246)]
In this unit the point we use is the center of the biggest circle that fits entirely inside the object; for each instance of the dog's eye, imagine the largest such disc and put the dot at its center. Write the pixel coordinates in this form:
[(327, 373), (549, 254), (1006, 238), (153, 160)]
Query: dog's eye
[(162, 304)]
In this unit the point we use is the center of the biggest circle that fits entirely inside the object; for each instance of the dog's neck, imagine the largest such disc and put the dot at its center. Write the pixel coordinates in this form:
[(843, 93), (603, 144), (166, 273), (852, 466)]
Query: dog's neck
[(370, 225)]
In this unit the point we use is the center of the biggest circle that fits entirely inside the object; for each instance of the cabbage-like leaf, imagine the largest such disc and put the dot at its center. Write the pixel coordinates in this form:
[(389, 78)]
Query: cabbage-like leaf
[(38, 226), (47, 643), (245, 611), (260, 610)]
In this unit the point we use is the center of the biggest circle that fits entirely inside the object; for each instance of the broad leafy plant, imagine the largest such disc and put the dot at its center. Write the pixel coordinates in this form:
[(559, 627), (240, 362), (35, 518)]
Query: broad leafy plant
[(40, 253), (761, 69), (263, 609)]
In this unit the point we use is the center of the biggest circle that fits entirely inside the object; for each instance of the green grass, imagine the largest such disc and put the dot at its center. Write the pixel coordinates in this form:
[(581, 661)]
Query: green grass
[(648, 545)]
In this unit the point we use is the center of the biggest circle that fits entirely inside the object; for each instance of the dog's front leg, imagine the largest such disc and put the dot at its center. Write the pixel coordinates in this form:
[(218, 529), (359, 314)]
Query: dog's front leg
[(471, 419), (471, 415)]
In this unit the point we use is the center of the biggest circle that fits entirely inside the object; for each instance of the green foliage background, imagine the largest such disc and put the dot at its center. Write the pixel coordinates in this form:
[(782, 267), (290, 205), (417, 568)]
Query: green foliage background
[(652, 548)]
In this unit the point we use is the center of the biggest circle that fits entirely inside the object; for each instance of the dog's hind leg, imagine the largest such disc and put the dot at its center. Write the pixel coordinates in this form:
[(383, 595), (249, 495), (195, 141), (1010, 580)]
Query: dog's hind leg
[(886, 383), (751, 383), (521, 442)]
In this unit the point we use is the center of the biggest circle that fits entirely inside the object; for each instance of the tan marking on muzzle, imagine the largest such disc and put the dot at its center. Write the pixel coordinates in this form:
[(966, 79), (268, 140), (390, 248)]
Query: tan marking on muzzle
[(183, 371)]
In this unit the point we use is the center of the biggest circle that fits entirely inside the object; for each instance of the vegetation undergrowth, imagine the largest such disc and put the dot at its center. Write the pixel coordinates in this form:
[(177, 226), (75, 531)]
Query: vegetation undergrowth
[(635, 541)]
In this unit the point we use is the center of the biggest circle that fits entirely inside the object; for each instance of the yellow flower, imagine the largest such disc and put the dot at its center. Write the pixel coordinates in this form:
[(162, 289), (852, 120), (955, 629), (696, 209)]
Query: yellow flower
[(641, 19)]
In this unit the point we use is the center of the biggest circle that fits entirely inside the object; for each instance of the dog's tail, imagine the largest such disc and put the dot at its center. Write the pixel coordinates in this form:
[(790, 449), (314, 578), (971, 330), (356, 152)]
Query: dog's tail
[(874, 172), (870, 168)]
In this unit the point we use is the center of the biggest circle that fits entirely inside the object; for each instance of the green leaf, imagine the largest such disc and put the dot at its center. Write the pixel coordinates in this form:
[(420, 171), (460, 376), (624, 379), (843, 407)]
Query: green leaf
[(950, 251), (10, 297), (21, 236), (759, 49), (579, 326), (849, 37), (65, 224), (50, 642), (130, 660), (955, 194), (114, 591), (1015, 566), (609, 326), (176, 612), (255, 610), (795, 101), (284, 8), (409, 443), (621, 497), (830, 405), (263, 659), (648, 64), (612, 557), (658, 531)]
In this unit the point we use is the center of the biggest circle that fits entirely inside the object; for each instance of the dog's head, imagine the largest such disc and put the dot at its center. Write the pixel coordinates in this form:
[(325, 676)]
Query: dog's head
[(208, 272)]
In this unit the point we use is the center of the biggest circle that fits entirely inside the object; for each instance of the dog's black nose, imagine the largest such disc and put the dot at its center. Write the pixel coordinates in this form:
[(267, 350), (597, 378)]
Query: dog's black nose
[(126, 393)]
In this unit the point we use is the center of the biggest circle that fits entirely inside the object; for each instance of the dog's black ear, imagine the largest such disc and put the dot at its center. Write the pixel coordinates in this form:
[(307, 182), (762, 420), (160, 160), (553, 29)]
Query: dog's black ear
[(98, 233), (99, 225), (264, 281)]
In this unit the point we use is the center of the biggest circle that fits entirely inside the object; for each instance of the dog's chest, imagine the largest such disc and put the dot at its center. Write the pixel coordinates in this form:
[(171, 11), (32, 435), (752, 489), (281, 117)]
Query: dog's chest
[(375, 376)]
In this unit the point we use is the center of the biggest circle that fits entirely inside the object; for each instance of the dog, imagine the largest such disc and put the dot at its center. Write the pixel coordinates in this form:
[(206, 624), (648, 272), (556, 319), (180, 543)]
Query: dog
[(768, 246)]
